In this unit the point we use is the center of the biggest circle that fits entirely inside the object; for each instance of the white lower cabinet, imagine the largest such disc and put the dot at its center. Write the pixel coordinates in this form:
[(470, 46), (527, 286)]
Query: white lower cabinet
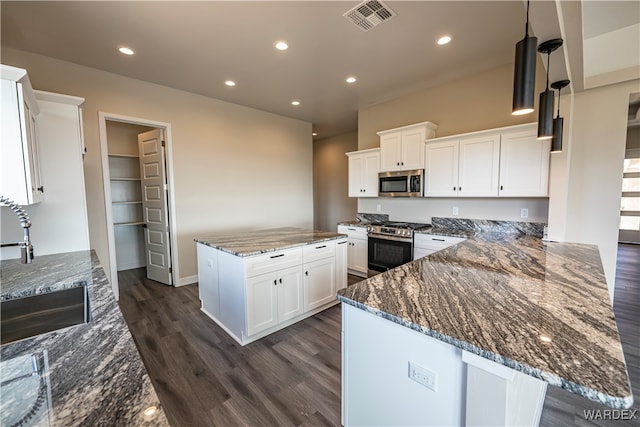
[(251, 297), (273, 298), (319, 283), (357, 249)]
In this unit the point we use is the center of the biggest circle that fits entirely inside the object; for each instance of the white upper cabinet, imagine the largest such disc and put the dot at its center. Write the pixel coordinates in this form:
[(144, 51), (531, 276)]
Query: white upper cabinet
[(479, 166), (524, 165), (463, 167), (363, 173), (403, 148), (20, 178), (441, 168), (506, 162)]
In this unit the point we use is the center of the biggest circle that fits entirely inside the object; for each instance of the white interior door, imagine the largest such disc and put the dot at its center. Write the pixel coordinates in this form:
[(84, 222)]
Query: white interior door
[(154, 206)]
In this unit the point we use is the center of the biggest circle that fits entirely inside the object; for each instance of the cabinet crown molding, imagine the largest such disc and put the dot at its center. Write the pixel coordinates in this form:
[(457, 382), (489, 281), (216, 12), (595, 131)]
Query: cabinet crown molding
[(368, 150), (428, 125), (505, 129)]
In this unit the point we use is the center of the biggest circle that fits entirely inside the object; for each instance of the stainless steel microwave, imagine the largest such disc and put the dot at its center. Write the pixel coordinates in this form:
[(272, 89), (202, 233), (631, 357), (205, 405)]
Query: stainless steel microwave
[(401, 183)]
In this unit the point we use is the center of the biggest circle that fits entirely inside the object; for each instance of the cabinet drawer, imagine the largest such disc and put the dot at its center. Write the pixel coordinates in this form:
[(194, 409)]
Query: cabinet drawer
[(272, 261), (351, 231), (318, 251), (432, 241)]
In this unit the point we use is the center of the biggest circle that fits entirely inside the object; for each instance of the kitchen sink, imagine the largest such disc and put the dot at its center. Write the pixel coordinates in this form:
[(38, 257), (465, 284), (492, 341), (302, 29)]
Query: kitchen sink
[(30, 316)]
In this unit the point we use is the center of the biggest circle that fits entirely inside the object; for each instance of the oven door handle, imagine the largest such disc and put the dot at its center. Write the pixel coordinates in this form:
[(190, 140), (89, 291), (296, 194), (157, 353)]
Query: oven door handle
[(394, 238)]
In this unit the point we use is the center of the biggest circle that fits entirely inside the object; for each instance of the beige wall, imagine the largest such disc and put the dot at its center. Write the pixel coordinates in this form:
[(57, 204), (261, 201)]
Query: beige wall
[(482, 101), (330, 181), (633, 137), (235, 167)]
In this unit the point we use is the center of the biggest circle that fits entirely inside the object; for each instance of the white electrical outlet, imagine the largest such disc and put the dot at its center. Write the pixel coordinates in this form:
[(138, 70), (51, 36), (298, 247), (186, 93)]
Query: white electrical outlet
[(423, 376), (456, 211), (210, 263), (524, 213), (378, 208)]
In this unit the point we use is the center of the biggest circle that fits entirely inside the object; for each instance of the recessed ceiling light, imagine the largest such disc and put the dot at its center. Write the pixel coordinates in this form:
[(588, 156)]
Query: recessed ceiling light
[(444, 40), (230, 83), (295, 103), (281, 45), (126, 50), (351, 79), (314, 134)]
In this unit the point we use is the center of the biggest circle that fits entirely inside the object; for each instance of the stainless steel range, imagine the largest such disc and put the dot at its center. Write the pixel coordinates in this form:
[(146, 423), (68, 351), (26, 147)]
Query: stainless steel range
[(390, 245)]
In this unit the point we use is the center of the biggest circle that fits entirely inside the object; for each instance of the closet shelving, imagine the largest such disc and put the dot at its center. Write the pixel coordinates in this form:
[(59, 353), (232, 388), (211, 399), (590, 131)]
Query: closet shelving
[(126, 196)]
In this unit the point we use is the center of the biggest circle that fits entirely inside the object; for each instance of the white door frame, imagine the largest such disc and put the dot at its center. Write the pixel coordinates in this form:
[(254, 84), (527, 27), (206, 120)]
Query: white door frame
[(103, 117)]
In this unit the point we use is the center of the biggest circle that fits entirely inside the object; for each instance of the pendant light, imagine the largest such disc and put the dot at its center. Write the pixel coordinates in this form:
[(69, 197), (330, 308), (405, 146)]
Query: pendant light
[(545, 107), (558, 122), (524, 77)]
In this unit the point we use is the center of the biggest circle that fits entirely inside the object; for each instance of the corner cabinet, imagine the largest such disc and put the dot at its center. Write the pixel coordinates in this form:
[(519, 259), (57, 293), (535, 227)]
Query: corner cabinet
[(403, 148), (364, 166), (506, 162), (254, 296), (20, 177), (524, 164)]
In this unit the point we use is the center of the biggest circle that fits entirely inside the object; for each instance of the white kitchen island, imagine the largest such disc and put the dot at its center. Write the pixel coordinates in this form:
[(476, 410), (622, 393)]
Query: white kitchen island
[(255, 283), (472, 335)]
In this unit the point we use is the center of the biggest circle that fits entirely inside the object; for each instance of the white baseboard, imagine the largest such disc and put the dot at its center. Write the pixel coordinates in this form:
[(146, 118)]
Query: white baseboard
[(183, 281)]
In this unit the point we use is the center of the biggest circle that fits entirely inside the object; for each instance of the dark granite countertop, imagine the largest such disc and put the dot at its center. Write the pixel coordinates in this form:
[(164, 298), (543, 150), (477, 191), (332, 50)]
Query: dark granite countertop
[(261, 241), (541, 308), (96, 375)]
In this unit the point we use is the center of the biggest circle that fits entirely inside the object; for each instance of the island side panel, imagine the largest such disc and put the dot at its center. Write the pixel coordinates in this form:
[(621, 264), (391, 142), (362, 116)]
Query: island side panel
[(232, 284), (208, 280), (375, 374)]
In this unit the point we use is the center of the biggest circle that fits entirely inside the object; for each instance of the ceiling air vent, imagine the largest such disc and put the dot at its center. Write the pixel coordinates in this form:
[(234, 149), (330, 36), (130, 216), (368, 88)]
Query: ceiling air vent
[(369, 14)]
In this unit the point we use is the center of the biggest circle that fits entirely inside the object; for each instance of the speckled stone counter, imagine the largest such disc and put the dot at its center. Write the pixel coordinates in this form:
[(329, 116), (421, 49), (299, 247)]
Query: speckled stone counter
[(540, 308), (261, 241), (96, 374)]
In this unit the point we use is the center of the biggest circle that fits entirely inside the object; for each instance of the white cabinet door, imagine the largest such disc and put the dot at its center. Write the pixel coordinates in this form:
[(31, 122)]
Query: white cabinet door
[(441, 169), (356, 172), (262, 303), (391, 151), (20, 178), (412, 149), (358, 255), (289, 287), (208, 290), (363, 173), (524, 165), (341, 264), (319, 283), (479, 162), (370, 174)]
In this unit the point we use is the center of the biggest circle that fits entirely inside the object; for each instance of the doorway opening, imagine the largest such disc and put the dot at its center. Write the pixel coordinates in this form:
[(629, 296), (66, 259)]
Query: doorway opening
[(139, 204), (629, 230)]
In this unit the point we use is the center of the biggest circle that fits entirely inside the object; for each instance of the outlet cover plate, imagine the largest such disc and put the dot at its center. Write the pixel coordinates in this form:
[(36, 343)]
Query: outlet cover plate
[(423, 376)]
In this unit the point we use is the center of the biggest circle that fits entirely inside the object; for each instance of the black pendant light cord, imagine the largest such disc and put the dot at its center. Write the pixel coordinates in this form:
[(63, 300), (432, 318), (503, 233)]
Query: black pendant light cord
[(526, 25), (548, 64)]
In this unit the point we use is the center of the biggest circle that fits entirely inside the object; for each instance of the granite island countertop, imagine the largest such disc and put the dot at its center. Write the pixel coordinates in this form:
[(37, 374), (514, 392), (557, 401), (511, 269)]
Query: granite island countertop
[(95, 373), (248, 243), (541, 308)]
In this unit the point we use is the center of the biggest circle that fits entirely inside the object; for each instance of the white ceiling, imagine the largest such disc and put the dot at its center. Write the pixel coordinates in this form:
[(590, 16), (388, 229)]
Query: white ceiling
[(196, 46)]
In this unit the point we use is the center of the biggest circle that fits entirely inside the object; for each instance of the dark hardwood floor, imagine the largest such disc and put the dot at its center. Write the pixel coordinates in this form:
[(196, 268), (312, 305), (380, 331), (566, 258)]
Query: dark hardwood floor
[(292, 377)]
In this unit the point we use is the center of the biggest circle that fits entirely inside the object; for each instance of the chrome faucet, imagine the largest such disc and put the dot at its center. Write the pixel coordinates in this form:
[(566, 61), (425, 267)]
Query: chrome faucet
[(26, 248)]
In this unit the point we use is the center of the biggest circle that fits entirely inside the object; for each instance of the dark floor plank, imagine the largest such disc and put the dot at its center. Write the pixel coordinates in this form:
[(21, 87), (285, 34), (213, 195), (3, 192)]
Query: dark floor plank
[(292, 377)]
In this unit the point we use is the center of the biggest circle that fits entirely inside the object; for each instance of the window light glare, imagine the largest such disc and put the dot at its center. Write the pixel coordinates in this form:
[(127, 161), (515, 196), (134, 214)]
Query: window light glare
[(281, 45), (351, 79), (444, 40), (126, 50), (230, 83), (545, 339), (150, 412), (295, 103)]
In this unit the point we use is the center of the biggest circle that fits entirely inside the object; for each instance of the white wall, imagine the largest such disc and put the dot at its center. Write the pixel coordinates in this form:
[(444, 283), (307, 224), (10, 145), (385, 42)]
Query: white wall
[(235, 167), (594, 179), (422, 209)]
